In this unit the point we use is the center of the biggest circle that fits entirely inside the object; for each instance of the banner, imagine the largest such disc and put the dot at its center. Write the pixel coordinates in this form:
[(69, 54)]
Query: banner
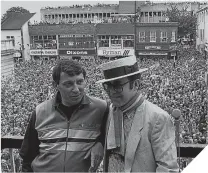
[(74, 35), (153, 47), (152, 53), (77, 52), (115, 46), (44, 52), (117, 52)]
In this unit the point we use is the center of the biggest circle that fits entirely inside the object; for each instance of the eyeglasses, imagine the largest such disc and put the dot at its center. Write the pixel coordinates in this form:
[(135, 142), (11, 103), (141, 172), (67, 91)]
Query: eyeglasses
[(118, 88)]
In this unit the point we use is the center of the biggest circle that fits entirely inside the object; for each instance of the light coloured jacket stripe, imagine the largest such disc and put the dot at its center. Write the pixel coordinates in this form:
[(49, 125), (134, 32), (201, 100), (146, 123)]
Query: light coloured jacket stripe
[(61, 133), (71, 146)]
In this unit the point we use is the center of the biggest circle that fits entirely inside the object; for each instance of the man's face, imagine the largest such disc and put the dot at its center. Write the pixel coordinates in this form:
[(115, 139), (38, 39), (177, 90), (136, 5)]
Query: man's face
[(120, 98), (71, 88)]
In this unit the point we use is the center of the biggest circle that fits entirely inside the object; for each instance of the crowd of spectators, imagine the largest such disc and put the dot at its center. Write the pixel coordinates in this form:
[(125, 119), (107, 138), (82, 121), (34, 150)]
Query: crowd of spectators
[(117, 19), (41, 23), (81, 6), (169, 85), (181, 86)]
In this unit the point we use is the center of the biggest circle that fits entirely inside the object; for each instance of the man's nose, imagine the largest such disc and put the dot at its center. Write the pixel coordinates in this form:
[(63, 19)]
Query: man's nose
[(75, 88)]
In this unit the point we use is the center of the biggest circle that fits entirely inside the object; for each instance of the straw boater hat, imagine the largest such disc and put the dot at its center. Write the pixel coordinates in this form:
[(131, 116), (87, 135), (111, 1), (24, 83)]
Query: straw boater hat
[(120, 68)]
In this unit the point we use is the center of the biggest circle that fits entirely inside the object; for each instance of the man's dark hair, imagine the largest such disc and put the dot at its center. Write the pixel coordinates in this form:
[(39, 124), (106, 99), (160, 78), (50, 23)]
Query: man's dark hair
[(70, 67)]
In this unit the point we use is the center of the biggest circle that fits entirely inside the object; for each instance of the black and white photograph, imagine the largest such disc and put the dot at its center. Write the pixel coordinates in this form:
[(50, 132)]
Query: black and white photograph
[(104, 86)]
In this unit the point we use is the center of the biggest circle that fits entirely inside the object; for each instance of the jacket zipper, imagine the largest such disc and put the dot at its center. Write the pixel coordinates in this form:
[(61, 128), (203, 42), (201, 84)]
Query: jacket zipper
[(68, 123), (66, 145)]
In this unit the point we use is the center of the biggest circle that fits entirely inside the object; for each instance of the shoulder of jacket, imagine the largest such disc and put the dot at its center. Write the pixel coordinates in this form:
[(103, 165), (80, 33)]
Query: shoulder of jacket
[(98, 101), (156, 113), (43, 104)]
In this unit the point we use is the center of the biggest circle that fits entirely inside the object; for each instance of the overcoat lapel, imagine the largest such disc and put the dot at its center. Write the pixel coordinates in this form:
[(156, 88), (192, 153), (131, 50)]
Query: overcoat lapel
[(134, 137)]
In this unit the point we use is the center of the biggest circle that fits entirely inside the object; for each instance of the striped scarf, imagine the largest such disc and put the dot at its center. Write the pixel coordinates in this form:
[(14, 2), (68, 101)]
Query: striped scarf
[(115, 136)]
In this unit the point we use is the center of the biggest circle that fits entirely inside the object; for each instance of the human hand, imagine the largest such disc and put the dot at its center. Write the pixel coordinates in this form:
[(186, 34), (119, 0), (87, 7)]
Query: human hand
[(96, 153)]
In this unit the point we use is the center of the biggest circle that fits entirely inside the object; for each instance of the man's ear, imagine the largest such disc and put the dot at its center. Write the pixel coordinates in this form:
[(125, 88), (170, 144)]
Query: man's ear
[(136, 84), (55, 85)]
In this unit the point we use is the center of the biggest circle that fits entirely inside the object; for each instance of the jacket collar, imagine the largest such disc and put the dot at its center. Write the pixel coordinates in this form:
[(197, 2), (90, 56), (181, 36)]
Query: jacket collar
[(57, 100)]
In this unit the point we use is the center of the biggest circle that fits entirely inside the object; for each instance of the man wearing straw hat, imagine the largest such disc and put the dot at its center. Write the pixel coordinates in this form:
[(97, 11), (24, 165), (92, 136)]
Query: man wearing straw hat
[(140, 136)]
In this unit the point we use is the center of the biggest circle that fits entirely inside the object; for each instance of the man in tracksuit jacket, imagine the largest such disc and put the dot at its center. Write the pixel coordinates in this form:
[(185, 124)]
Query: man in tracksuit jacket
[(66, 133)]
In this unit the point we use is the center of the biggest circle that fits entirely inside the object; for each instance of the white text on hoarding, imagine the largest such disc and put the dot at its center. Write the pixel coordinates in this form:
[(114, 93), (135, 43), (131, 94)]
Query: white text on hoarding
[(76, 52)]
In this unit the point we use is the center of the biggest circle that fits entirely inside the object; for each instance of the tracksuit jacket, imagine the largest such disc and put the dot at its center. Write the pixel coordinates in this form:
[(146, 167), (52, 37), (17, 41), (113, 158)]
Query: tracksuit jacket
[(55, 143)]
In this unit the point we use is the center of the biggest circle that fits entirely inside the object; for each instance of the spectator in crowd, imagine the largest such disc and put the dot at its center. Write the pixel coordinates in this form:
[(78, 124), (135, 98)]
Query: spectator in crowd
[(68, 128), (140, 135)]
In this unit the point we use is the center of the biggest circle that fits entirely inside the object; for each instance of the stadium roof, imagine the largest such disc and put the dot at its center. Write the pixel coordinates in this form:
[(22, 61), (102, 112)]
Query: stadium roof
[(62, 29), (115, 29), (16, 21)]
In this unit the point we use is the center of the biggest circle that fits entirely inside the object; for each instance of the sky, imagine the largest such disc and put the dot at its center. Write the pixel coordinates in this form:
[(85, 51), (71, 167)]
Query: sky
[(35, 6)]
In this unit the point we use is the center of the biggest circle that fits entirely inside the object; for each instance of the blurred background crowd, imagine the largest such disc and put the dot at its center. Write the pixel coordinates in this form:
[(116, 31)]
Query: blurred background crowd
[(171, 84)]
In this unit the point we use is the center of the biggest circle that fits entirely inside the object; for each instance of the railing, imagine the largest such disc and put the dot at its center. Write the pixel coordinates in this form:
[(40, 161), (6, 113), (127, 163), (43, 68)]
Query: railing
[(15, 142), (186, 150), (11, 142)]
